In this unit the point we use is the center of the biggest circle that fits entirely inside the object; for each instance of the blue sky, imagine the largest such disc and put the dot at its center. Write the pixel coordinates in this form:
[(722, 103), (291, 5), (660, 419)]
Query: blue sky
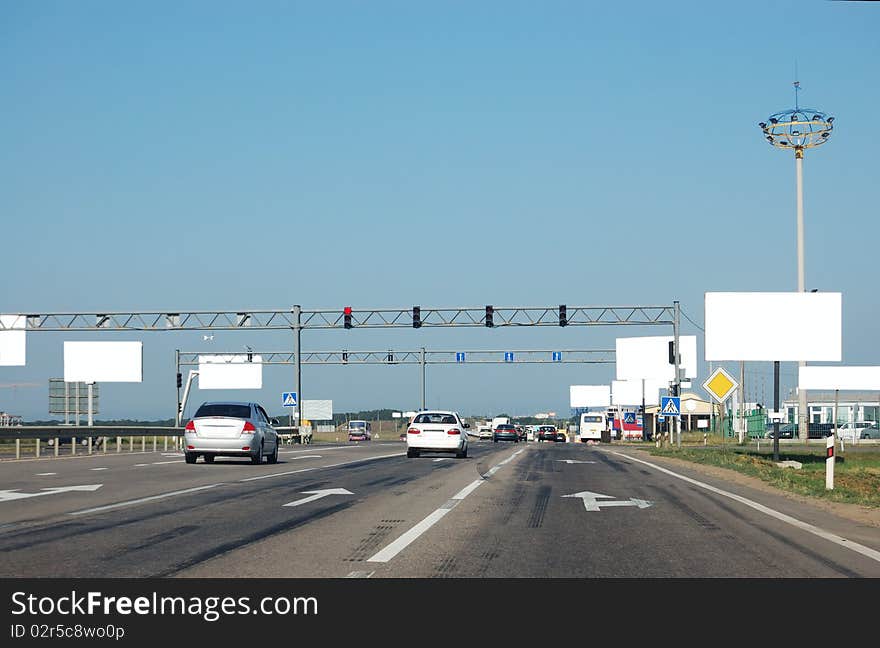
[(216, 155)]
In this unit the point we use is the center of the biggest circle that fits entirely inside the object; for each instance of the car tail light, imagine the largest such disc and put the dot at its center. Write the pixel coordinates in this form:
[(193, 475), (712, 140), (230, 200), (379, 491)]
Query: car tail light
[(190, 447), (190, 427), (246, 448), (413, 431), (453, 431), (248, 427)]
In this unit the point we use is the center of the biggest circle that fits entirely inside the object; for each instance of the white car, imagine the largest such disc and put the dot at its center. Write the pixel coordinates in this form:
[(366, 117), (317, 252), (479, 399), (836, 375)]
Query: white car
[(437, 431), (854, 430)]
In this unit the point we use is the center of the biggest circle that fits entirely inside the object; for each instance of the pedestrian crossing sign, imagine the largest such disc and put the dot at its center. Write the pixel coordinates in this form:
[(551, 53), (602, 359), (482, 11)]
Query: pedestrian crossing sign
[(670, 406), (288, 399)]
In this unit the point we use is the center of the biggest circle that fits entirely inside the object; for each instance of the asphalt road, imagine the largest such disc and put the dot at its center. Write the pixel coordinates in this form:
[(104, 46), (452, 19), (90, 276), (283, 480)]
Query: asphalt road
[(509, 510)]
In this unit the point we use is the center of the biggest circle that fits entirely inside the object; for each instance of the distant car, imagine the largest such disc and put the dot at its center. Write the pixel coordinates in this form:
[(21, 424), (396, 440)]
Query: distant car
[(231, 429), (521, 431), (872, 432), (853, 430), (505, 432), (437, 431), (561, 437), (359, 431), (484, 432), (786, 431), (547, 433)]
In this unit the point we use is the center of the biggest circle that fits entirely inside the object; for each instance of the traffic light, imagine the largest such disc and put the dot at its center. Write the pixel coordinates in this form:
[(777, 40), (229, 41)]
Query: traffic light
[(347, 317), (671, 352), (563, 315), (345, 356), (417, 317), (490, 312), (390, 358), (179, 380)]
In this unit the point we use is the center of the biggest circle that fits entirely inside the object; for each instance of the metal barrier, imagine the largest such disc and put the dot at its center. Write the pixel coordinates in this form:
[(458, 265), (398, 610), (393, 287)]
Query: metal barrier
[(93, 438)]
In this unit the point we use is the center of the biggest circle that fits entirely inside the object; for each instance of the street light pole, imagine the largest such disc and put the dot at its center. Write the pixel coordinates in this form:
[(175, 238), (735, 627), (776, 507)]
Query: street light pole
[(799, 129)]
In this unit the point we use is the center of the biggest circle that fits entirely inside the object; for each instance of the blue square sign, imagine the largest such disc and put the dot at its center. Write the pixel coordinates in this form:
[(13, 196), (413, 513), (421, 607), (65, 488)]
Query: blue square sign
[(288, 399), (670, 406)]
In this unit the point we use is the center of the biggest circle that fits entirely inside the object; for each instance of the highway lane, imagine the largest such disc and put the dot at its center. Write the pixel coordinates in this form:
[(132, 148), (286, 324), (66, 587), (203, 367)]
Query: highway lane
[(509, 510), (216, 509)]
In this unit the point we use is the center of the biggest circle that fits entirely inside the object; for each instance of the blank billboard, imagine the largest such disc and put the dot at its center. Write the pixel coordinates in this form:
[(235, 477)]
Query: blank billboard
[(219, 371), (103, 362), (12, 342), (765, 327), (589, 395), (851, 378), (648, 357), (317, 410), (629, 392)]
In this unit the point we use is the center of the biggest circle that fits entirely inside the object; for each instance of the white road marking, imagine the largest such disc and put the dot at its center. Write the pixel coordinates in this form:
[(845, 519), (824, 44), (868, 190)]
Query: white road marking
[(592, 503), (44, 474), (409, 537), (152, 498), (318, 494), (9, 495), (831, 537), (140, 465), (162, 463), (97, 469), (467, 490), (413, 534), (441, 459), (307, 457), (360, 574)]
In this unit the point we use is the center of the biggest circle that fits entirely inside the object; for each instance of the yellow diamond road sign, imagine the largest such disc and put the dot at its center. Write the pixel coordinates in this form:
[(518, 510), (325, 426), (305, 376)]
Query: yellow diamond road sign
[(720, 385)]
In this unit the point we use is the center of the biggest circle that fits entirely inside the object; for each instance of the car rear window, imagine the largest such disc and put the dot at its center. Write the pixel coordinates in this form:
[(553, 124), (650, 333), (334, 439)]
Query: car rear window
[(504, 426), (442, 419), (592, 419), (357, 424), (223, 409)]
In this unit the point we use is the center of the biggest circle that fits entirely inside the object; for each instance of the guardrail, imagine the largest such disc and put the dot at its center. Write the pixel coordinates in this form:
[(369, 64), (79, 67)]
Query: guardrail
[(95, 438), (99, 438)]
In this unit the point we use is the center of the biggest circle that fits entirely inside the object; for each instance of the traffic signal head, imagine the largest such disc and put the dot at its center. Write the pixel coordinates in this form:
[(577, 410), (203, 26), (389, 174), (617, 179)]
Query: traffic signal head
[(417, 317), (490, 312), (344, 356), (179, 380), (346, 312), (563, 315)]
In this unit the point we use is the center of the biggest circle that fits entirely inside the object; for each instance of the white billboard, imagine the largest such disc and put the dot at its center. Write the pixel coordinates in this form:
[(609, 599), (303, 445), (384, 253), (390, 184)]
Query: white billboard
[(220, 371), (629, 392), (103, 362), (851, 378), (766, 327), (317, 410), (12, 342), (648, 357), (589, 395)]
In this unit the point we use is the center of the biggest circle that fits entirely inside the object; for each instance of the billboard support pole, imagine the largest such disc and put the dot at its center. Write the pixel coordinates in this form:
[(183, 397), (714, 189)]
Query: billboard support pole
[(776, 411), (91, 395), (676, 327), (297, 350)]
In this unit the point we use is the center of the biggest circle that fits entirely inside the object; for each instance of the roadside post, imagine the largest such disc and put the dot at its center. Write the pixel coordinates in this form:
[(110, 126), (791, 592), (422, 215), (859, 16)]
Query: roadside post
[(829, 463)]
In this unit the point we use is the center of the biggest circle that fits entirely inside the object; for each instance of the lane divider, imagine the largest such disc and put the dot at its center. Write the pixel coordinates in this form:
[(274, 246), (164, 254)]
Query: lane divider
[(390, 551), (152, 498), (804, 526)]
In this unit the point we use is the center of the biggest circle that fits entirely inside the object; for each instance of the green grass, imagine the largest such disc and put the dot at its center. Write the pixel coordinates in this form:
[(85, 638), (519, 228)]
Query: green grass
[(856, 474)]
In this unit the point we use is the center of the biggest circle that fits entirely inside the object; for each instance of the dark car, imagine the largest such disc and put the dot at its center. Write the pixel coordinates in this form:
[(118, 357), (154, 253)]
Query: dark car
[(547, 433), (786, 431), (521, 431), (505, 432)]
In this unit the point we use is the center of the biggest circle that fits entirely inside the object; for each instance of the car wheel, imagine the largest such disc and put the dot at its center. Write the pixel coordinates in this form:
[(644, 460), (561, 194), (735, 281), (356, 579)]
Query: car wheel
[(190, 457), (273, 458), (494, 440), (412, 453), (462, 454), (258, 458), (208, 458)]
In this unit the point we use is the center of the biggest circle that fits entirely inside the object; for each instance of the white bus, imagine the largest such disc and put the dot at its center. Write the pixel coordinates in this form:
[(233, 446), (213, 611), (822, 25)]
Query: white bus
[(591, 427)]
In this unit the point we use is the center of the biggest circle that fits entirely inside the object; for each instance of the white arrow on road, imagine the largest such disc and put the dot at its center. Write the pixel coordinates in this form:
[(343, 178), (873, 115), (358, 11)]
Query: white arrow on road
[(591, 502), (8, 495), (574, 461), (318, 494)]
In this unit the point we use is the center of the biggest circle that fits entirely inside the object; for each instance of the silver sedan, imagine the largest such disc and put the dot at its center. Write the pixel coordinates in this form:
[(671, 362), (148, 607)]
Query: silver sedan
[(231, 429)]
